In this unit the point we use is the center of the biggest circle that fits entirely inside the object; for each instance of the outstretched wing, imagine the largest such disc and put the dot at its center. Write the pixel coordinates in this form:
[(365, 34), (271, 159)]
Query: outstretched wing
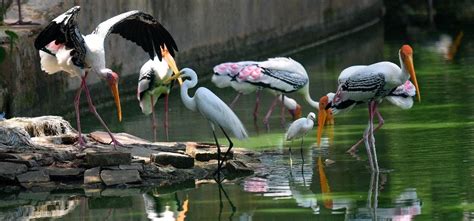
[(140, 28), (63, 30)]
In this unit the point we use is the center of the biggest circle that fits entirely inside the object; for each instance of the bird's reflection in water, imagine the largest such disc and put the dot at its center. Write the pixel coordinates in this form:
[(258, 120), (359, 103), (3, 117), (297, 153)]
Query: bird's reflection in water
[(172, 210), (221, 203)]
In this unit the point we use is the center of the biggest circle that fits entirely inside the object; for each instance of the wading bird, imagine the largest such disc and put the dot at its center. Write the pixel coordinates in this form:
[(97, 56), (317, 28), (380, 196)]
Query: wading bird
[(370, 85), (298, 129), (151, 87), (280, 75), (213, 109), (63, 48)]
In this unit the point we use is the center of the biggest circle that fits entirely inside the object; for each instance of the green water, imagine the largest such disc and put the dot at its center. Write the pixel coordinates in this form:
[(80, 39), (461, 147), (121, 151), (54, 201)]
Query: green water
[(428, 152)]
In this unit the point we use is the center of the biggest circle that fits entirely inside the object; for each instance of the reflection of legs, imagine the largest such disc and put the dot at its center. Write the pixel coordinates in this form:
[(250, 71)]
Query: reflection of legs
[(153, 118), (231, 105), (80, 139), (270, 111), (291, 159), (94, 111), (166, 116), (381, 122)]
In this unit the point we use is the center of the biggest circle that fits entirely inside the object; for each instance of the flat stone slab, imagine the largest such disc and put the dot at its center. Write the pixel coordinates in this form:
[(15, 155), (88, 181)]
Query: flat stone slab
[(123, 138), (177, 160), (92, 176), (33, 177), (8, 171), (206, 152), (238, 168), (64, 172), (133, 166), (107, 159), (114, 177)]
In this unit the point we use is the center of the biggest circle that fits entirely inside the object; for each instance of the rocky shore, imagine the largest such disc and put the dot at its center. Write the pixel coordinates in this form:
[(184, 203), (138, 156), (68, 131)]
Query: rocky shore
[(40, 154)]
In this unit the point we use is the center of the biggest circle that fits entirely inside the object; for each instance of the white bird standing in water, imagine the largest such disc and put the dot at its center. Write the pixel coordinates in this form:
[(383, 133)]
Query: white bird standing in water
[(63, 48), (213, 109), (299, 128), (151, 87), (370, 84)]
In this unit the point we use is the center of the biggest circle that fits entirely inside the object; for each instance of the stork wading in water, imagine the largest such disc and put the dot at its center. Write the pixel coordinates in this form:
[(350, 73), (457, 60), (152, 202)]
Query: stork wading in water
[(280, 75), (63, 48), (213, 109), (298, 129), (369, 84), (151, 87)]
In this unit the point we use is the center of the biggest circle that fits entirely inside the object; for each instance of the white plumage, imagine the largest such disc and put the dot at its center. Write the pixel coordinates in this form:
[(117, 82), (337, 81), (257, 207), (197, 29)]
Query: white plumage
[(299, 128)]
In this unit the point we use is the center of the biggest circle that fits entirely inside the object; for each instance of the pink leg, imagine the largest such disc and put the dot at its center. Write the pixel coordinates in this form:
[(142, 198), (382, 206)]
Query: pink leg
[(153, 118), (282, 113), (166, 117), (80, 139), (257, 103), (380, 124), (374, 151), (94, 111), (231, 105), (269, 113)]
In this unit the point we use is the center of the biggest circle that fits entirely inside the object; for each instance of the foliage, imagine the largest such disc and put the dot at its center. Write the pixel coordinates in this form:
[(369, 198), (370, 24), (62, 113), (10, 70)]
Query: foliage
[(13, 38)]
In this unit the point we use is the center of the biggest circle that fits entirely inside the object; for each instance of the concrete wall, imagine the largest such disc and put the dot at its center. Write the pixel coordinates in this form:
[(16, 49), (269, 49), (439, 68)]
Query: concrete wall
[(206, 31)]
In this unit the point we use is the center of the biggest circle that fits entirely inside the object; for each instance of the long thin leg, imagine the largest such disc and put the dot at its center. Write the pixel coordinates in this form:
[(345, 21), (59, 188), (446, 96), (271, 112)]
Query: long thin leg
[(301, 150), (80, 139), (153, 118), (230, 146), (380, 124), (166, 117), (374, 110), (257, 104), (94, 111), (231, 105), (270, 111), (218, 171), (367, 140), (282, 112)]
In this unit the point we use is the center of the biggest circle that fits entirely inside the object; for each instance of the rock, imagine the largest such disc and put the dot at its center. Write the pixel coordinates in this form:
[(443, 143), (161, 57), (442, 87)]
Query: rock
[(114, 177), (238, 168), (133, 166), (107, 159), (62, 173), (123, 138), (33, 177), (174, 159), (92, 176), (206, 152), (8, 171)]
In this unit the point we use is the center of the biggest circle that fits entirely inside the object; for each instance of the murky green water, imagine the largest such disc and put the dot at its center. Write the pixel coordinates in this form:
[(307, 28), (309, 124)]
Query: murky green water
[(428, 151)]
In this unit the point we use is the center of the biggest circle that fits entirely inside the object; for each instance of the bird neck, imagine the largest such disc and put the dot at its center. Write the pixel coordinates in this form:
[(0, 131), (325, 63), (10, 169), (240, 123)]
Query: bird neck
[(308, 98), (289, 103), (188, 101)]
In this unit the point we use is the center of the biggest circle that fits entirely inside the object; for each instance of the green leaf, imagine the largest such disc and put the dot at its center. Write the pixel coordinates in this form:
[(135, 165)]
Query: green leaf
[(3, 54), (13, 38)]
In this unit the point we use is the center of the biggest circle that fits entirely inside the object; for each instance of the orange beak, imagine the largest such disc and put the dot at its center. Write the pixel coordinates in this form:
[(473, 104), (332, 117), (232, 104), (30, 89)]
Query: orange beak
[(322, 114), (408, 61), (171, 63), (115, 92)]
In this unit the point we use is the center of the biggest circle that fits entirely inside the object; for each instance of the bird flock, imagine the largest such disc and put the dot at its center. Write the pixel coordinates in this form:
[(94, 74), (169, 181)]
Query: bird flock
[(62, 47)]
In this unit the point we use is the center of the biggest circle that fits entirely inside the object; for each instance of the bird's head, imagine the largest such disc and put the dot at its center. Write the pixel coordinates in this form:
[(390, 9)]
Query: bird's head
[(311, 116), (171, 62), (322, 114), (112, 79), (296, 113), (406, 56)]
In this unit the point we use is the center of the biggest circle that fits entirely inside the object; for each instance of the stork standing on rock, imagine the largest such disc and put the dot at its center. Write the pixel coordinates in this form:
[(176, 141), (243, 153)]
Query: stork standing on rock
[(63, 48)]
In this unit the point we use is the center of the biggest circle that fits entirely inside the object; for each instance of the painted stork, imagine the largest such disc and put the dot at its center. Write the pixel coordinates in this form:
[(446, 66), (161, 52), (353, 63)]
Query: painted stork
[(151, 87), (63, 48), (213, 109), (369, 84), (280, 75)]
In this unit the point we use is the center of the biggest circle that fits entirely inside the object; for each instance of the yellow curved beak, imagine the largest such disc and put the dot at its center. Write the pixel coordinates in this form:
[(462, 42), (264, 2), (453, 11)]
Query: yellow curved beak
[(115, 92), (322, 114), (171, 63), (411, 70)]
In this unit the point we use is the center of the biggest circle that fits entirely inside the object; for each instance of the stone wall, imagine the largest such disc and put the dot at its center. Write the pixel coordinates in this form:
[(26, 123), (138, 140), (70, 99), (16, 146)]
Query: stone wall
[(206, 31)]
